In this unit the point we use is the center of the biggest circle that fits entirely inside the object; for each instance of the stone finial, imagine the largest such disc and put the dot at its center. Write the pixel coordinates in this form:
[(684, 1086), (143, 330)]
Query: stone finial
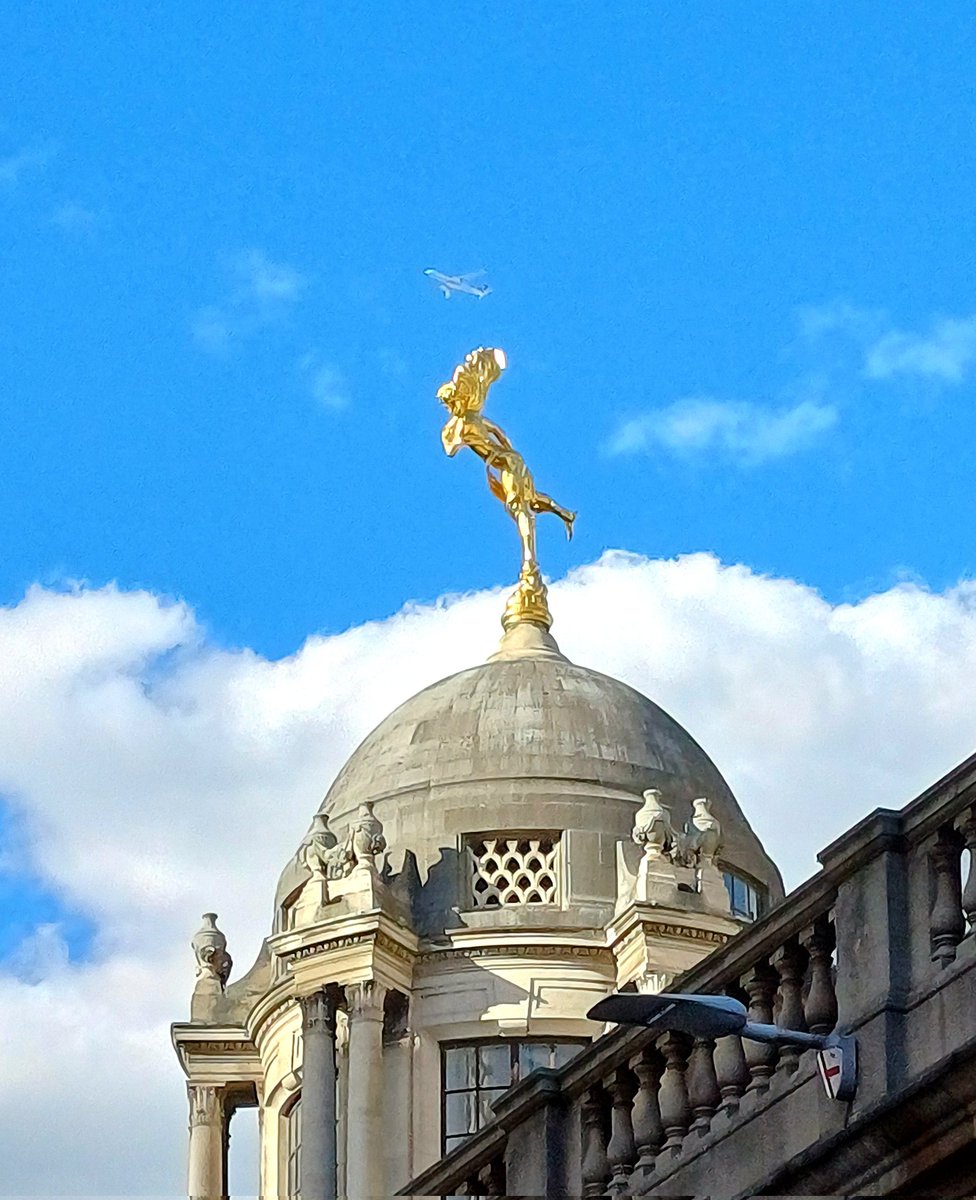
[(210, 948), (366, 834), (652, 827), (316, 847), (706, 840)]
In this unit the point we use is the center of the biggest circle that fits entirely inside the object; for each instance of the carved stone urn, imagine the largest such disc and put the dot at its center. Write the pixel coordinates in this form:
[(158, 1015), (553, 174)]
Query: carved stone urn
[(210, 948)]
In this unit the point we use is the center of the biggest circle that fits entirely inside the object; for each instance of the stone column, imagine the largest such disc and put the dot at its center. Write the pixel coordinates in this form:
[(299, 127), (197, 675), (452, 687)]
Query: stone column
[(365, 1151), (205, 1177), (318, 1096)]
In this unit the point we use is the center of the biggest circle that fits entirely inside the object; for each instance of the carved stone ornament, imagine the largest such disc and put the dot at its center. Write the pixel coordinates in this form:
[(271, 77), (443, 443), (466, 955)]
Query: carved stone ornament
[(364, 1000), (204, 1104), (697, 846), (210, 948), (319, 1011), (367, 836), (704, 840), (320, 851), (652, 827), (328, 858)]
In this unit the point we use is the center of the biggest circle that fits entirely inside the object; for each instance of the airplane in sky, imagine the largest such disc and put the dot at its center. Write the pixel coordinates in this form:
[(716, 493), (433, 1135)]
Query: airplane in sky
[(458, 283)]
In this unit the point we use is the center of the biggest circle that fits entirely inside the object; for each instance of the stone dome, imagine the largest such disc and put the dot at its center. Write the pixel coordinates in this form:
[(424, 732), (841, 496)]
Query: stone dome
[(530, 741)]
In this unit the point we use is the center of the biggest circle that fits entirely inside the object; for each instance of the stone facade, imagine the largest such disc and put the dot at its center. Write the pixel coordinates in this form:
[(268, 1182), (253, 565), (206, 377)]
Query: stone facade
[(880, 944), (483, 869)]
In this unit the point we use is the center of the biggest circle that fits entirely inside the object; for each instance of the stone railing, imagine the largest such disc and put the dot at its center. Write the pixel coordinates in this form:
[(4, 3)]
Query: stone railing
[(880, 943)]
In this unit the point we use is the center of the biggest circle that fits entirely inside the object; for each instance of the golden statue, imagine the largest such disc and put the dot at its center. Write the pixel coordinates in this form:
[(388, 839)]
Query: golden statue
[(508, 476)]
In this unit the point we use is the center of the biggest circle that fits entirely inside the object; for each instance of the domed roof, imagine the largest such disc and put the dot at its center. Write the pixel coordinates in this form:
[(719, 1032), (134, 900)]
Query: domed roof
[(507, 744)]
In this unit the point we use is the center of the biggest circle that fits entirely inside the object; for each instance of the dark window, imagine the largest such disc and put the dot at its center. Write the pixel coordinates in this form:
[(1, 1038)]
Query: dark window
[(293, 1148), (475, 1074), (745, 897)]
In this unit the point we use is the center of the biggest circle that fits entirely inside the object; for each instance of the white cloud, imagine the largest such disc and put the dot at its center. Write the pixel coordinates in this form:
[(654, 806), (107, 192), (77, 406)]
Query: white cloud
[(946, 352), (327, 384), (160, 776), (261, 293), (74, 218), (840, 316), (266, 282), (747, 433), (14, 167)]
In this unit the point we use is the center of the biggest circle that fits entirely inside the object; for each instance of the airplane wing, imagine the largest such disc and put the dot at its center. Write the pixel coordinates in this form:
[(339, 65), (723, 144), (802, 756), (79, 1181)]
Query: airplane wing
[(467, 278), (446, 291)]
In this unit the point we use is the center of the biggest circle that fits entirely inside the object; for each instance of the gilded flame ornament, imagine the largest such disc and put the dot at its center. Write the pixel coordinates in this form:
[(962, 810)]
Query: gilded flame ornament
[(508, 476)]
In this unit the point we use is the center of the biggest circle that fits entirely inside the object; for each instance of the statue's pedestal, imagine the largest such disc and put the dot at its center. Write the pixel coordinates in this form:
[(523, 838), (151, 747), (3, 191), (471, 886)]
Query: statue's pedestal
[(658, 881), (205, 999), (316, 895)]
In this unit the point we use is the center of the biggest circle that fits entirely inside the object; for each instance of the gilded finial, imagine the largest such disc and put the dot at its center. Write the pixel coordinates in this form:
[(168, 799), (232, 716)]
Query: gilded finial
[(508, 477)]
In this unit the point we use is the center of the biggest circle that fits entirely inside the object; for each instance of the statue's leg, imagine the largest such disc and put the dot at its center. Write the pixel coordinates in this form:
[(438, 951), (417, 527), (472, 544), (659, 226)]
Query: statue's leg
[(543, 503), (526, 527)]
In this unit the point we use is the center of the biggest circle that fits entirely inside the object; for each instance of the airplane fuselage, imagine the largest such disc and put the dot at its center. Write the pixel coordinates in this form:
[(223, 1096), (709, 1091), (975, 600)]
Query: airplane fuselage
[(456, 283)]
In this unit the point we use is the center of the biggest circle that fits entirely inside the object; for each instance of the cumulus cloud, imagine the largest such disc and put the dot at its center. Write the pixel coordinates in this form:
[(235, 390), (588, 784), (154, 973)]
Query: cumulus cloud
[(261, 293), (946, 352), (747, 433), (159, 776)]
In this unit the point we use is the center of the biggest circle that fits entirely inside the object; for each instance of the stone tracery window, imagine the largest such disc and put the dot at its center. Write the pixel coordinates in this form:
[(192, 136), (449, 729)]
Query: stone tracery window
[(514, 868)]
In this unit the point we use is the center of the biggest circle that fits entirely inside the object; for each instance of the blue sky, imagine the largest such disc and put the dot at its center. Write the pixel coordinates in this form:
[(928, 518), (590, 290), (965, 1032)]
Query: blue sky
[(211, 216), (731, 254)]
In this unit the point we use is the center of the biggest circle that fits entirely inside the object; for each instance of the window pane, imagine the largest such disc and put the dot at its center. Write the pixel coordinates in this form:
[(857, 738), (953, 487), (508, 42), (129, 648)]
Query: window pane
[(564, 1054), (533, 1055), (459, 1068), (450, 1143), (460, 1113), (485, 1101), (496, 1066)]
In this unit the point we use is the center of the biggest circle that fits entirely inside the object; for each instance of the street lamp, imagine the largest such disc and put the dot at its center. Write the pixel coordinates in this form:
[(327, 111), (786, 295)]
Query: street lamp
[(719, 1016)]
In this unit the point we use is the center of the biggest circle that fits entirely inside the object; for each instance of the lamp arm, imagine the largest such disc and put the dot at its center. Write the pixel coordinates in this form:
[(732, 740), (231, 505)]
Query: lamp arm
[(786, 1037)]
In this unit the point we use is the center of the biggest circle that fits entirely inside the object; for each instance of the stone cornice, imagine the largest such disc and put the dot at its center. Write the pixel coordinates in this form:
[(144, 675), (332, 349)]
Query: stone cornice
[(647, 921), (207, 1053), (532, 951)]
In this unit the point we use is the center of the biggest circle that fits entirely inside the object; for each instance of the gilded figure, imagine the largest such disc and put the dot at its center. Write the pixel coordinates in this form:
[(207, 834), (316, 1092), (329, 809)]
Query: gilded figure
[(508, 476)]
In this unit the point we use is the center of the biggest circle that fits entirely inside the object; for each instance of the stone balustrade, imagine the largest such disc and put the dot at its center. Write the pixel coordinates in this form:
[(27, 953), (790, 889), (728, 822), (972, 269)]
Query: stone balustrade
[(880, 943)]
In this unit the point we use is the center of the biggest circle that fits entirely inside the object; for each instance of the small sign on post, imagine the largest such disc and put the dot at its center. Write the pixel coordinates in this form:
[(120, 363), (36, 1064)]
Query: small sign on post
[(838, 1069)]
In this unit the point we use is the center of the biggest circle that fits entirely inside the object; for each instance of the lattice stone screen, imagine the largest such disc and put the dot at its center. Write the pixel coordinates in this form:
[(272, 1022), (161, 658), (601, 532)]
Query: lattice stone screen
[(516, 868)]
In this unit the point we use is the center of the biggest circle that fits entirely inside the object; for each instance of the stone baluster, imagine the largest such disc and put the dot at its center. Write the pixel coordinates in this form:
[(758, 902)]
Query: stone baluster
[(648, 1130), (731, 1071), (703, 1094), (946, 923), (205, 1175), (490, 1180), (673, 1094), (318, 1180), (820, 1009), (967, 828), (621, 1149), (364, 1166), (760, 985), (595, 1167), (790, 961)]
